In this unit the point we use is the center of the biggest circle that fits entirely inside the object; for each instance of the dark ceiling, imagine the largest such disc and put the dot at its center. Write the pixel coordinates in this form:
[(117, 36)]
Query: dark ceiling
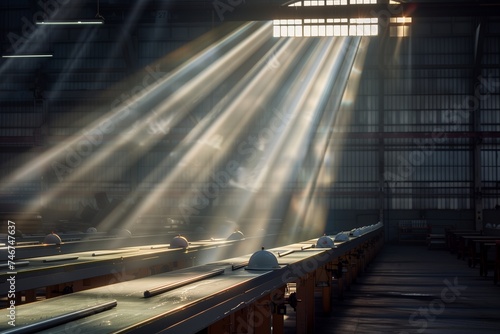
[(252, 10)]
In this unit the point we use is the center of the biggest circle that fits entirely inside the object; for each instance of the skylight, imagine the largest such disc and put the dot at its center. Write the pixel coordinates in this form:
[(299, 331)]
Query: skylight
[(325, 27), (399, 26)]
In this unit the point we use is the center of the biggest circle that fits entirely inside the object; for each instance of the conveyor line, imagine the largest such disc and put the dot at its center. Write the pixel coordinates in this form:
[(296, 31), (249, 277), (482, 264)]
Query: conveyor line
[(191, 299), (44, 270), (60, 259), (114, 252), (37, 249)]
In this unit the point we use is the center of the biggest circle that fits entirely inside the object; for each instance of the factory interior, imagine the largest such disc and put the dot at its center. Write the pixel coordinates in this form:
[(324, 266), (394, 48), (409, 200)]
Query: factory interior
[(249, 166)]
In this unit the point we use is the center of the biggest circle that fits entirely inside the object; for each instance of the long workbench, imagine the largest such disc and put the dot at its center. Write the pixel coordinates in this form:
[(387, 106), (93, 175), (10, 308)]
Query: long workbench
[(56, 269), (207, 297)]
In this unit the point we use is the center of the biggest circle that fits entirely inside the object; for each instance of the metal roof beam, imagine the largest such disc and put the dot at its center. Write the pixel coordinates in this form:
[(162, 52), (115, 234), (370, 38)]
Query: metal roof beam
[(249, 12)]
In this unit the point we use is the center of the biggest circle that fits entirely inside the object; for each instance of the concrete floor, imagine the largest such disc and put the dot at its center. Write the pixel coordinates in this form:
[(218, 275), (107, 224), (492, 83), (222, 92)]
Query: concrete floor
[(410, 289)]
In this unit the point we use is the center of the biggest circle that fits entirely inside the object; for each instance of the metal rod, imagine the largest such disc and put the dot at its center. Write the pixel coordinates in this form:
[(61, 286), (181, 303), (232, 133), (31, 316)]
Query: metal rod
[(154, 247), (165, 288), (114, 252), (61, 259), (17, 264), (286, 253), (239, 266), (307, 247)]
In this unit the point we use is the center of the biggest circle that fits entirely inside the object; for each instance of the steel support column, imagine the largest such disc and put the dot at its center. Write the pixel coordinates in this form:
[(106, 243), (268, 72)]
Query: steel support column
[(384, 33), (475, 122)]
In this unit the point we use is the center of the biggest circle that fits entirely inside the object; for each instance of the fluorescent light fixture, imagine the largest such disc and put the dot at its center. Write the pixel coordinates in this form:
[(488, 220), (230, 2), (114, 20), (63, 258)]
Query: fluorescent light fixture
[(41, 55), (74, 22)]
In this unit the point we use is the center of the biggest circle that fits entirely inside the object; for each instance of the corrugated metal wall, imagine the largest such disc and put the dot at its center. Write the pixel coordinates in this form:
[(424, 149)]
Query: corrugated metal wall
[(427, 93)]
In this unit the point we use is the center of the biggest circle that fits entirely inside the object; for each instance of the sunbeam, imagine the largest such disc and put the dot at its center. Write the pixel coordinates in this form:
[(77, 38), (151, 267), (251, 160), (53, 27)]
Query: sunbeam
[(297, 86), (174, 108), (105, 124), (313, 203)]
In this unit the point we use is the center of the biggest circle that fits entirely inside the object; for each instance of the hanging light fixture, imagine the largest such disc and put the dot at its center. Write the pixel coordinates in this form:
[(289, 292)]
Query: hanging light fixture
[(34, 55), (99, 19), (74, 22)]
